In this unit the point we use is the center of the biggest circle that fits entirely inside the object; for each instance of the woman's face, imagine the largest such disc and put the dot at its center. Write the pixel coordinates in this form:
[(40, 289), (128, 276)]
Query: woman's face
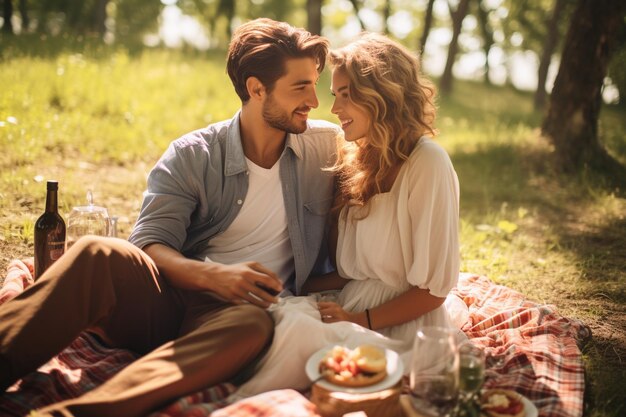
[(354, 121)]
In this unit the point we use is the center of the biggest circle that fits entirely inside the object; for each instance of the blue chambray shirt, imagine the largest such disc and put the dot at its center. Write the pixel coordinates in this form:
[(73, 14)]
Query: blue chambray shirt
[(197, 188)]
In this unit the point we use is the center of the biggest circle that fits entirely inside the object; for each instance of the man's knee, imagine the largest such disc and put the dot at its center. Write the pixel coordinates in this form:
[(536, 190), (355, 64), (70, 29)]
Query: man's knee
[(254, 323), (98, 246), (89, 243)]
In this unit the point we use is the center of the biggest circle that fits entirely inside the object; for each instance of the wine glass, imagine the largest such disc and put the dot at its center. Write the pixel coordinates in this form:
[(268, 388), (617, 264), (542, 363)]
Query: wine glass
[(471, 368), (87, 220), (434, 371)]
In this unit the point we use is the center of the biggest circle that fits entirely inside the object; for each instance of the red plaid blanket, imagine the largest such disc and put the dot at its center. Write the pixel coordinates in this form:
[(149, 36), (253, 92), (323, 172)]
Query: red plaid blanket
[(530, 348)]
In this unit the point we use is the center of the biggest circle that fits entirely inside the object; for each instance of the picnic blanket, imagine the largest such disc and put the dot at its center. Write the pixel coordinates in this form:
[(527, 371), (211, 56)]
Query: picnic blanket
[(530, 348)]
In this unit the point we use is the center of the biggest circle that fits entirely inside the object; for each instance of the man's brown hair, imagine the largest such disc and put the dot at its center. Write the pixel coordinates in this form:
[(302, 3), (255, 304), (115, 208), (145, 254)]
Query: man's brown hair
[(259, 48)]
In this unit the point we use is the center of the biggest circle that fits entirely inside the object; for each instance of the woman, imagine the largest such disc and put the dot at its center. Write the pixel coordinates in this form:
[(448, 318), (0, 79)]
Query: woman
[(395, 222)]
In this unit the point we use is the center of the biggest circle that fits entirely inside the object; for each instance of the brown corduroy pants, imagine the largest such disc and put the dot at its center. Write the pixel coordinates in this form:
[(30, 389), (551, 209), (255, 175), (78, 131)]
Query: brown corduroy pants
[(190, 340)]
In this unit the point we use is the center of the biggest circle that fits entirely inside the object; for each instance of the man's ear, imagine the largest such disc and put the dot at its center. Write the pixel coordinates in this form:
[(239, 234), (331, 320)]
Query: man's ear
[(255, 87)]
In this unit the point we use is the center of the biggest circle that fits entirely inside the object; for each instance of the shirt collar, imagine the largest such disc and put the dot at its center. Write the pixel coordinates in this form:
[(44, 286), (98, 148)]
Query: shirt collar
[(234, 161), (294, 144)]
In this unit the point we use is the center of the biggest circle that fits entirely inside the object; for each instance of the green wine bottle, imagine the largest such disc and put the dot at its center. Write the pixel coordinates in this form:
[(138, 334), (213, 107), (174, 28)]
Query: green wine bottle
[(49, 232)]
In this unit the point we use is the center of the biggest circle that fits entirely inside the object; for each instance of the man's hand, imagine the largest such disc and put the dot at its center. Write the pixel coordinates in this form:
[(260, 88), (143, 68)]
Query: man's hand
[(248, 282)]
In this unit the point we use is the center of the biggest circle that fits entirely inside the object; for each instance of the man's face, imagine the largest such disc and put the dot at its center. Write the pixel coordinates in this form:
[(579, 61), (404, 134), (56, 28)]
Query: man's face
[(287, 107)]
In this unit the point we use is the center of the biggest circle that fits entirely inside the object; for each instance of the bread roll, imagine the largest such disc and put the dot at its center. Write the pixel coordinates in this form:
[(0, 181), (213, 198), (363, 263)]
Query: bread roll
[(366, 365)]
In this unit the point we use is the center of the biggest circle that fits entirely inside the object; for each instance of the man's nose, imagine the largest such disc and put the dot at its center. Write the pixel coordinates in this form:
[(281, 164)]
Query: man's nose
[(312, 100)]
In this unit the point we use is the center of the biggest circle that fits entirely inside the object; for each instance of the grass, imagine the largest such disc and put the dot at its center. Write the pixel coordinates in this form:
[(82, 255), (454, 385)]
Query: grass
[(97, 117)]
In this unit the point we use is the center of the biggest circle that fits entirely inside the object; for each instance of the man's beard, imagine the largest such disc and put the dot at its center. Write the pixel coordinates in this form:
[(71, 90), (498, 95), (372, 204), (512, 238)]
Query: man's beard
[(279, 119)]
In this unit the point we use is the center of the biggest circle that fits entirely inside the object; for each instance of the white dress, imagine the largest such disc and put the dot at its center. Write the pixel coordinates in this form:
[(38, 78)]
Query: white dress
[(409, 238)]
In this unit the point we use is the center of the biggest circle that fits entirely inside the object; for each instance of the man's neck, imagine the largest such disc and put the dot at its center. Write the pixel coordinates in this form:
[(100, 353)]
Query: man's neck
[(262, 144)]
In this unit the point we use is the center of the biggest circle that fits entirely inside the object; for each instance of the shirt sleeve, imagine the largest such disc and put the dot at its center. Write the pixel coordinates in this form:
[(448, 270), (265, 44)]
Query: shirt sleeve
[(170, 199), (433, 219)]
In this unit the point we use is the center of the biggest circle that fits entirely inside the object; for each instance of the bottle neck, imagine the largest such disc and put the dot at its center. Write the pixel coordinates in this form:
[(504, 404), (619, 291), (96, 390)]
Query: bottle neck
[(51, 201)]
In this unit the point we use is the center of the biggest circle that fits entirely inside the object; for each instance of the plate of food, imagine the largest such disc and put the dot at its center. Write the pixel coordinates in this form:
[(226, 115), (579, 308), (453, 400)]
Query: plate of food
[(506, 403), (363, 369)]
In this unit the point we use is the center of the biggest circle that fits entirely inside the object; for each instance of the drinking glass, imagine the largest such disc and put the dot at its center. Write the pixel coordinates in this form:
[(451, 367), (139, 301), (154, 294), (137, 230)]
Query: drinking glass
[(434, 371), (471, 368), (87, 220)]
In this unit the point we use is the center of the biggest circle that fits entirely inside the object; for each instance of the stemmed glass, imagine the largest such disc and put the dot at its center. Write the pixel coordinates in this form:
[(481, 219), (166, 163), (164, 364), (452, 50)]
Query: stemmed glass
[(471, 369), (434, 371)]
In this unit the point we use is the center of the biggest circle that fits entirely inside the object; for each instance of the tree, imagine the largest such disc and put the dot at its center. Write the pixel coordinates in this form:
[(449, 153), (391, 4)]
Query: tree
[(7, 13), (314, 16), (386, 14), (356, 7), (100, 16), (428, 23), (227, 8), (572, 119), (548, 50), (483, 19), (445, 84), (24, 15)]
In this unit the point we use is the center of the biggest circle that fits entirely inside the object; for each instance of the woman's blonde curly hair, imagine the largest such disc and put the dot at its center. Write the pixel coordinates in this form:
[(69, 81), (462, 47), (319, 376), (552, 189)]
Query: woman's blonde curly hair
[(386, 83)]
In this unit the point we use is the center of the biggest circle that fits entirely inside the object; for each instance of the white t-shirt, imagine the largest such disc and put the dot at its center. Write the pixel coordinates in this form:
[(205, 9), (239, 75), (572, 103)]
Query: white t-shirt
[(259, 232)]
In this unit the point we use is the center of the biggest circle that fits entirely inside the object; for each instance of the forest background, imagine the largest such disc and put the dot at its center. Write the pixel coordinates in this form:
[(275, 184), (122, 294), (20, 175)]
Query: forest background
[(532, 112)]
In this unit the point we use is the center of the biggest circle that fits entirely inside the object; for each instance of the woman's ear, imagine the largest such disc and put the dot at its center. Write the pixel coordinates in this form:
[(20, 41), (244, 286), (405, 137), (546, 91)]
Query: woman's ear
[(255, 88)]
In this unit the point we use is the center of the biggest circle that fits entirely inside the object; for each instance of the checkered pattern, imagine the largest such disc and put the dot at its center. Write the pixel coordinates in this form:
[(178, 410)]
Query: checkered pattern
[(530, 348)]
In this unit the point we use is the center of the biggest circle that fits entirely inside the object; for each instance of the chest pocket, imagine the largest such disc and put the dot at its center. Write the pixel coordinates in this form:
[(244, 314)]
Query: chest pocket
[(319, 207)]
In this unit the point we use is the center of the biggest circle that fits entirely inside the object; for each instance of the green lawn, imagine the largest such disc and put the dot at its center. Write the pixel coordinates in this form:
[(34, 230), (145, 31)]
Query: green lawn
[(98, 118)]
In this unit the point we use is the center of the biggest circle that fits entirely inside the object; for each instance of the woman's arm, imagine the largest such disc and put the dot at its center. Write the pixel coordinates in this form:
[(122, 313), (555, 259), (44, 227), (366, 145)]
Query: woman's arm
[(406, 307)]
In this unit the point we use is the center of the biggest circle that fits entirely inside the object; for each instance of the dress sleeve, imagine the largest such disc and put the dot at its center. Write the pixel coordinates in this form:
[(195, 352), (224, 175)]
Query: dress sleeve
[(432, 220)]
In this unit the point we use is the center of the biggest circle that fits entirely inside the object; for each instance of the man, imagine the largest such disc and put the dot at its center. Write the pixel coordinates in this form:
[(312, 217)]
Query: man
[(233, 212)]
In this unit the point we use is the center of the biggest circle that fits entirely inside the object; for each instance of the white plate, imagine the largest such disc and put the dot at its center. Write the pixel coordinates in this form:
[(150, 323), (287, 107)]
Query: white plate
[(394, 373), (531, 410)]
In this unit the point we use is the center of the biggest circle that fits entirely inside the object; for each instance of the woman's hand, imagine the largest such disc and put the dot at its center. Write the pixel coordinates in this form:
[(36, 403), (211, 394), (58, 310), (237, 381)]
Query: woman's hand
[(407, 306), (332, 313)]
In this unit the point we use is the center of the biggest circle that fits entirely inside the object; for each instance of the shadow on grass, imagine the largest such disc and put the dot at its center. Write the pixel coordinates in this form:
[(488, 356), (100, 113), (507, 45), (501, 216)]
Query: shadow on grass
[(501, 175), (510, 175)]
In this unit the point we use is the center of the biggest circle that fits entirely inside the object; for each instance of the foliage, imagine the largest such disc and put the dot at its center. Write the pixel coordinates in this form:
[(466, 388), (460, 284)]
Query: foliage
[(127, 18)]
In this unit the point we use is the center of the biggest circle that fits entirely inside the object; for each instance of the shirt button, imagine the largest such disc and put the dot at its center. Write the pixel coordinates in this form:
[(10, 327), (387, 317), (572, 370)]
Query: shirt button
[(239, 201)]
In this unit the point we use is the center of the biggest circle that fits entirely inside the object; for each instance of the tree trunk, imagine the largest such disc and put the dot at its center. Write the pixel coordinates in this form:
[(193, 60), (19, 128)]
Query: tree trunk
[(483, 19), (314, 16), (227, 8), (572, 119), (100, 16), (7, 13), (386, 14), (355, 6), (24, 15), (457, 23), (428, 23), (548, 51)]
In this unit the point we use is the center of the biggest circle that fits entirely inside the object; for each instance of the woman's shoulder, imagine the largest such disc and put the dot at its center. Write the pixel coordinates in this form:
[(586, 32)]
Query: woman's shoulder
[(428, 154)]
